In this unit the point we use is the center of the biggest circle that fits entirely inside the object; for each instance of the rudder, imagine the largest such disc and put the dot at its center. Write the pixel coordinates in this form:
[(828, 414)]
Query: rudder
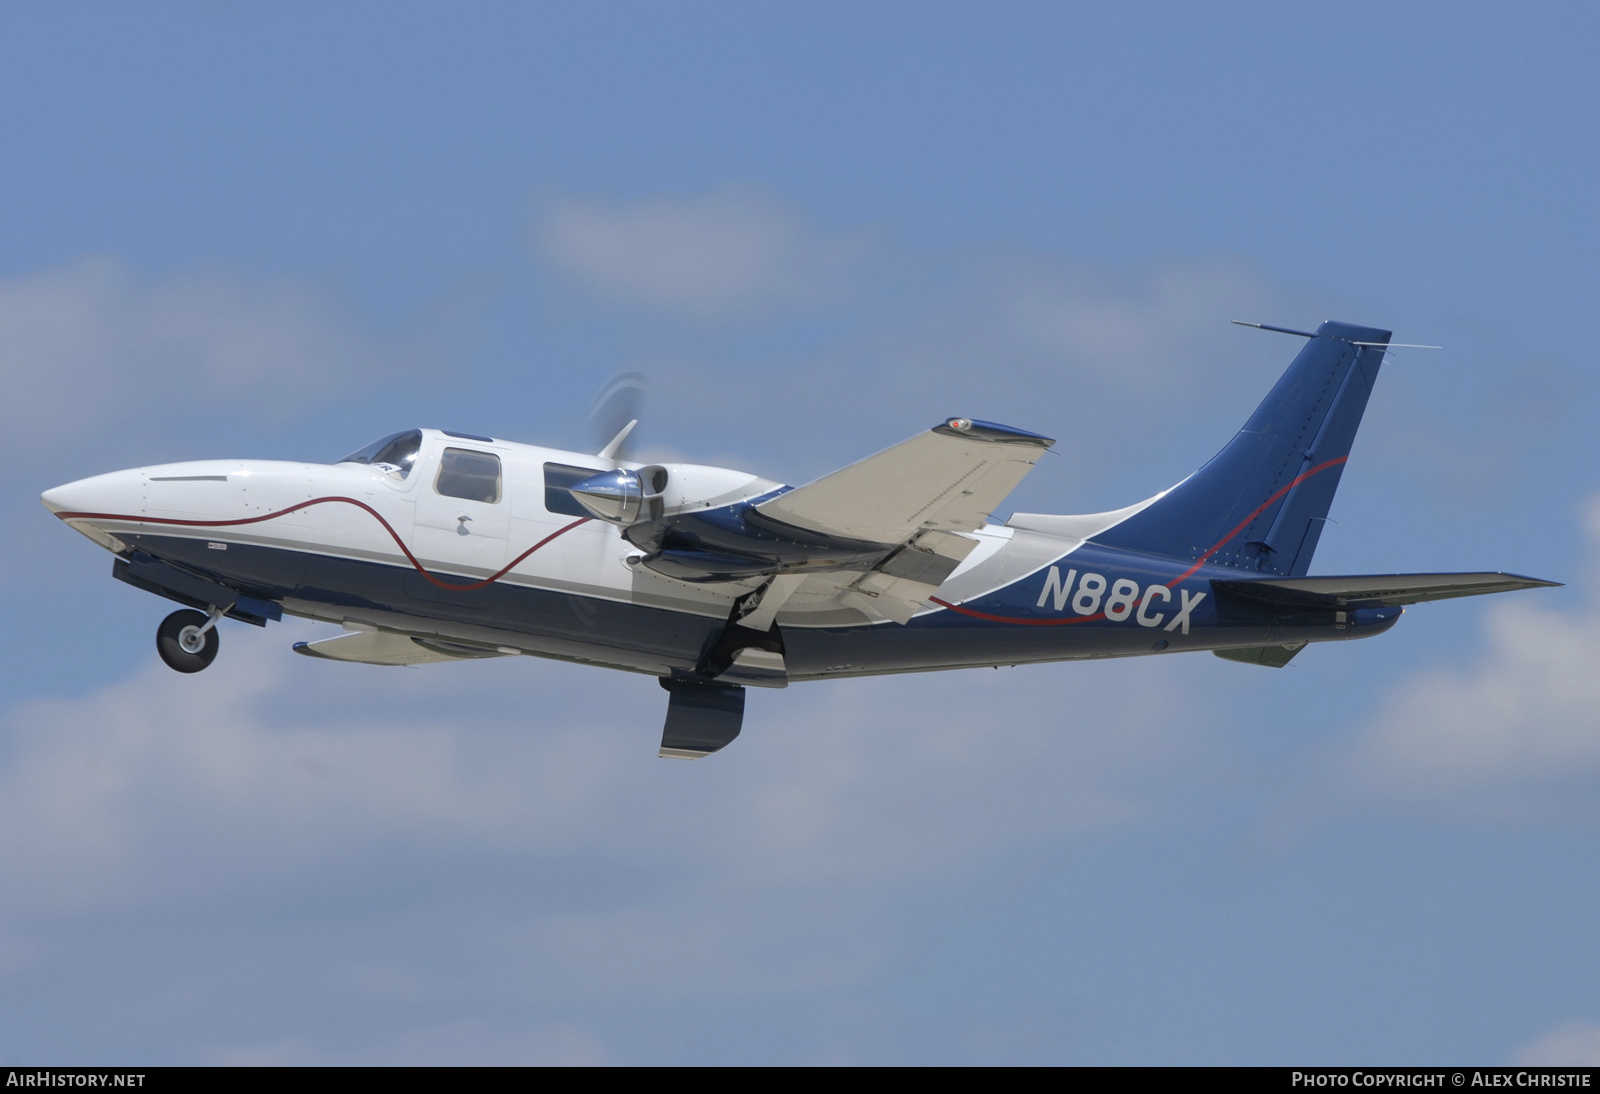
[(1261, 502)]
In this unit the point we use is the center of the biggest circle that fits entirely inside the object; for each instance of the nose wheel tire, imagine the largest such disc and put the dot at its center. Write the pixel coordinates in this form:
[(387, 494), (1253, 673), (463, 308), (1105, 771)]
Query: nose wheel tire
[(185, 642)]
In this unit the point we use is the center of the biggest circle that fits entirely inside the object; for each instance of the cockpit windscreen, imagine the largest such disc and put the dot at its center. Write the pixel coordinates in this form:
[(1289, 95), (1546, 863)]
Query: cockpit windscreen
[(393, 455)]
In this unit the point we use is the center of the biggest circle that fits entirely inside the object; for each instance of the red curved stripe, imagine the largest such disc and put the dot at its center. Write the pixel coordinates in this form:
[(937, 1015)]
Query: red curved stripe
[(348, 501), (1262, 508), (1199, 562)]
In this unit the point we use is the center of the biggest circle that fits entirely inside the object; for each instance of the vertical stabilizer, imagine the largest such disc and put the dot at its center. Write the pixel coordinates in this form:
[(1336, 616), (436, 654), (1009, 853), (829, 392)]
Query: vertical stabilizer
[(1261, 502)]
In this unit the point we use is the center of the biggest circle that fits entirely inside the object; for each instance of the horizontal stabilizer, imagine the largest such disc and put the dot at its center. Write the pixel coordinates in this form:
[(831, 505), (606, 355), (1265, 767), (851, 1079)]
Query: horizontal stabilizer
[(1373, 590)]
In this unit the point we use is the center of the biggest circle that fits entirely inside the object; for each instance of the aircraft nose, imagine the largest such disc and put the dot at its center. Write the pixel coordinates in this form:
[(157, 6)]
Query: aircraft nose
[(112, 493), (58, 499)]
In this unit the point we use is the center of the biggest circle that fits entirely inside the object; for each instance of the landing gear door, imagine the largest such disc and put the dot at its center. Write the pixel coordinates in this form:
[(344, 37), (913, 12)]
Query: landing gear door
[(463, 516)]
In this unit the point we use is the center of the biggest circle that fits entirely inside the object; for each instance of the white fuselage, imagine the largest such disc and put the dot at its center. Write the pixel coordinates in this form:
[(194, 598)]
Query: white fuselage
[(364, 514)]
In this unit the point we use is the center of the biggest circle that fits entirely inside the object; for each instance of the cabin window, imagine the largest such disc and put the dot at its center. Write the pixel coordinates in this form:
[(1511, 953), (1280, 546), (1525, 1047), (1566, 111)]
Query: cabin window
[(474, 476), (393, 455)]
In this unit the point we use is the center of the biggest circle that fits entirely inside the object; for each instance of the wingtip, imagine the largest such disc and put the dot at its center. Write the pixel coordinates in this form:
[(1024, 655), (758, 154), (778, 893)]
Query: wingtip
[(1535, 582), (976, 430)]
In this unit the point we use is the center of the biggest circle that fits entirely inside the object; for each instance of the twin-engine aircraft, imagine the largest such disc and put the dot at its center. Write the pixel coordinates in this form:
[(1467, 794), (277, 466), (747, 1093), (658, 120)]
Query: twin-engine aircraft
[(430, 545)]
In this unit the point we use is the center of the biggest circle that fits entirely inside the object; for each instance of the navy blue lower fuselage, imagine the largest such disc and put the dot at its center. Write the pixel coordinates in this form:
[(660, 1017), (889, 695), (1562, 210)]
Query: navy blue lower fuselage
[(1094, 602)]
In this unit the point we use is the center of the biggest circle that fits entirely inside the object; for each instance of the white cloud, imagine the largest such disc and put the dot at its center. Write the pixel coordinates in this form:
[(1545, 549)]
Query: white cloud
[(1575, 1044), (730, 254), (891, 338), (1516, 734), (1528, 711), (268, 786), (1160, 325), (90, 342), (1109, 364)]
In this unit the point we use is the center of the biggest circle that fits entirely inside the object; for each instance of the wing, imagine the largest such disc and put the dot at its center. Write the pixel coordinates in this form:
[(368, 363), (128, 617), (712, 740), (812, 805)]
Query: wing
[(920, 495), (949, 478)]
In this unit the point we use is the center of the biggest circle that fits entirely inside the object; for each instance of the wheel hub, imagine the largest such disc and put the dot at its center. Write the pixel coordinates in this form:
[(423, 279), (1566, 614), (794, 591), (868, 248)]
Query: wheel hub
[(191, 640)]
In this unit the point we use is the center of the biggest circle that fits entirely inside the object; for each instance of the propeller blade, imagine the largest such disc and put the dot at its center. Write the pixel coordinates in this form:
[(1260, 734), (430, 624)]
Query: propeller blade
[(619, 405)]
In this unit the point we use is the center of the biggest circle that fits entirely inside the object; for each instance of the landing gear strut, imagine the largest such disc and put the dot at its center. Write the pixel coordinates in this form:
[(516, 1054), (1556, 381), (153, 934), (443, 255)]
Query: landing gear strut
[(187, 640)]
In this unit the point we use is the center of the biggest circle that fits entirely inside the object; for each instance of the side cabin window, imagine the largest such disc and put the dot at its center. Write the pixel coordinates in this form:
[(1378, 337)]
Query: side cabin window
[(474, 476), (393, 455)]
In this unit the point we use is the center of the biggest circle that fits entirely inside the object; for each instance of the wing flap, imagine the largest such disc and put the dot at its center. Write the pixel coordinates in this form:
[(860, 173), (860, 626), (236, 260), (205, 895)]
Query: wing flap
[(878, 594)]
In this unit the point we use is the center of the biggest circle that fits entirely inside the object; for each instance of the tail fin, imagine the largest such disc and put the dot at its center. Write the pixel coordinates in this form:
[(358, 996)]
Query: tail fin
[(1261, 502)]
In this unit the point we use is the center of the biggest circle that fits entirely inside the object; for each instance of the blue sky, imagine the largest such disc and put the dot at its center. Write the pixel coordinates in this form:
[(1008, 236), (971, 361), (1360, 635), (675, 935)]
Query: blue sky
[(280, 231)]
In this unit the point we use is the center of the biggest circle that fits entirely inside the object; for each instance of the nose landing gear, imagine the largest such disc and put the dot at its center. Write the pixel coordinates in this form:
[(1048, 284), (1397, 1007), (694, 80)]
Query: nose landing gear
[(187, 640)]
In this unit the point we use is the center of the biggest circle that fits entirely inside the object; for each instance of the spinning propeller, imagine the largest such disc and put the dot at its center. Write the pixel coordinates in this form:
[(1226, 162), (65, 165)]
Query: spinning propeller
[(615, 413)]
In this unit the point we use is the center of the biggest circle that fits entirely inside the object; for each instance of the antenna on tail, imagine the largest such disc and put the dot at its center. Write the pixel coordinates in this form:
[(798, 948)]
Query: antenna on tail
[(1308, 334)]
